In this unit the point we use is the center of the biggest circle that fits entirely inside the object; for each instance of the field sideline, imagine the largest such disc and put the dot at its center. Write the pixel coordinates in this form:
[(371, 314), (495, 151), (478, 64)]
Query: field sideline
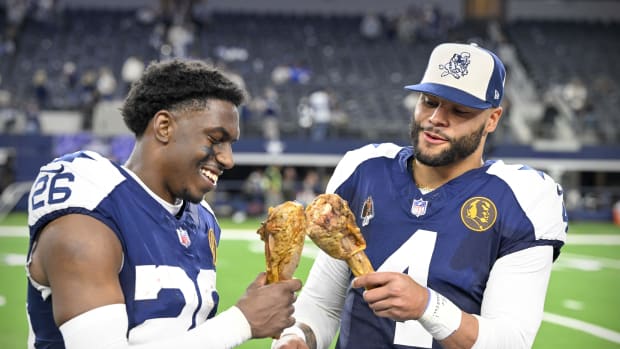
[(582, 309)]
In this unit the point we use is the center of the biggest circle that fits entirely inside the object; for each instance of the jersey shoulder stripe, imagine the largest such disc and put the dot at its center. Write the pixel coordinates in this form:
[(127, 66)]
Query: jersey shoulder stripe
[(540, 198), (353, 158)]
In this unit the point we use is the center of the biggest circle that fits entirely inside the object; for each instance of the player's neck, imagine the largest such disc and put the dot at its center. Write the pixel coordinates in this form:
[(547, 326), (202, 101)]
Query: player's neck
[(429, 178)]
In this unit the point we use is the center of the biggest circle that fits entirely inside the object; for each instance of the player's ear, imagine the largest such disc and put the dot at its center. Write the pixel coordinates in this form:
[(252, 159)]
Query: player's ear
[(162, 124), (494, 118)]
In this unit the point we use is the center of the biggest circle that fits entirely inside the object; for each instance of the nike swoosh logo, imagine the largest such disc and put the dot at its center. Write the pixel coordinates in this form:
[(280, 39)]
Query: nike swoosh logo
[(56, 170)]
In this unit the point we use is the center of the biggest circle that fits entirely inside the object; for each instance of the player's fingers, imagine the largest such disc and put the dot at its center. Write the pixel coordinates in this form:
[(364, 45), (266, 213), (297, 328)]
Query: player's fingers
[(294, 284), (370, 280), (261, 280), (375, 295)]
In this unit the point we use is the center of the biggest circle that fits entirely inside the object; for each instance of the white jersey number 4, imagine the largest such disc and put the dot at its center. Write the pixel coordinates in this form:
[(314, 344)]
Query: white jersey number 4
[(415, 256)]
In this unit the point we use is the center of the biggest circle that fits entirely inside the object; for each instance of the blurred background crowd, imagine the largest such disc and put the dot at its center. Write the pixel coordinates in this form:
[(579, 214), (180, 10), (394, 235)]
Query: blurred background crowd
[(316, 74)]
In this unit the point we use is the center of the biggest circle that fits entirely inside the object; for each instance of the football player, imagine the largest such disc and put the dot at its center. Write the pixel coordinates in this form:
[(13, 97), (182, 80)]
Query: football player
[(462, 246), (124, 256)]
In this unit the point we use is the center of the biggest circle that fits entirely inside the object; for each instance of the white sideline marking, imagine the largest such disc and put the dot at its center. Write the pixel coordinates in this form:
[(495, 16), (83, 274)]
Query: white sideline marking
[(13, 231), (583, 326), (592, 239), (585, 263)]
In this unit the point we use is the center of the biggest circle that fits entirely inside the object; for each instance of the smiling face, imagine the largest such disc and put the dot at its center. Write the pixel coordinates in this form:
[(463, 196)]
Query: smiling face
[(197, 148), (444, 133)]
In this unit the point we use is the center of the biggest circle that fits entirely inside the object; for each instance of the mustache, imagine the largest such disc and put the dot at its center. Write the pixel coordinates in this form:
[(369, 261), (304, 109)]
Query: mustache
[(417, 128)]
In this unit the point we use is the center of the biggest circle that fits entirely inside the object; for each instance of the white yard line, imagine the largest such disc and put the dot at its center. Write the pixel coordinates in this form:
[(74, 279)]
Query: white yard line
[(9, 231), (592, 239), (583, 326)]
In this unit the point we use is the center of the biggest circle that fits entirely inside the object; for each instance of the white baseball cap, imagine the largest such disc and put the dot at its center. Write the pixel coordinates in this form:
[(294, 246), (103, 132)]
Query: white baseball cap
[(464, 74)]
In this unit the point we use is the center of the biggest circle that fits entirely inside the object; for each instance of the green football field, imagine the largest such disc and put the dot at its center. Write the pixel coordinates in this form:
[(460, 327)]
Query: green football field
[(582, 308)]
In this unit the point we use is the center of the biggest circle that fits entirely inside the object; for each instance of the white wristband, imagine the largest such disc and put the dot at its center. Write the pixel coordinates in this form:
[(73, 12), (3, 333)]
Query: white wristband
[(441, 317), (294, 330)]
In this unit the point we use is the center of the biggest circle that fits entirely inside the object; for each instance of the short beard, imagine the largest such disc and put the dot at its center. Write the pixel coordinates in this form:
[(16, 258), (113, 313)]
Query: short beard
[(459, 149)]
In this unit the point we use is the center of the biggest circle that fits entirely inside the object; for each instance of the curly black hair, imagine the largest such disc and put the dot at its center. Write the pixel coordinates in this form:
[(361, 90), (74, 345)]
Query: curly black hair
[(172, 85)]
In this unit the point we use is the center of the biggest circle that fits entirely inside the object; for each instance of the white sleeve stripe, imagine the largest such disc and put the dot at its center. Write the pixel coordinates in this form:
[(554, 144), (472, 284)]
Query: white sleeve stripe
[(106, 327)]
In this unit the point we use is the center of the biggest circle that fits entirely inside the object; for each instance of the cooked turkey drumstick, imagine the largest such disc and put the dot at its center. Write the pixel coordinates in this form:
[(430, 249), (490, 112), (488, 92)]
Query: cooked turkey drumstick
[(283, 233), (331, 225)]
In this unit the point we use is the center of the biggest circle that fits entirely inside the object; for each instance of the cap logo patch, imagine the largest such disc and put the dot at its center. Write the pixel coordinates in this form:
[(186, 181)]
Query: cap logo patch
[(457, 66)]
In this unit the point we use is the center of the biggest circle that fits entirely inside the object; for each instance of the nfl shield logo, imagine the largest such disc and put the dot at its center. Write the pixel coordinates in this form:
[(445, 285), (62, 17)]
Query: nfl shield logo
[(418, 208), (183, 237)]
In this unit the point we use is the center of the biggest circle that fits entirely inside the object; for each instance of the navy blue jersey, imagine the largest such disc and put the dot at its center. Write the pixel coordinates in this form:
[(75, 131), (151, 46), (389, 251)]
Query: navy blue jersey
[(168, 272), (447, 239)]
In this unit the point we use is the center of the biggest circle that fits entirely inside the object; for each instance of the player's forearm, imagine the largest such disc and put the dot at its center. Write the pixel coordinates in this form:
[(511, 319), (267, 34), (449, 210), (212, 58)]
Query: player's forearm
[(512, 306), (320, 302), (465, 336), (106, 328), (475, 332)]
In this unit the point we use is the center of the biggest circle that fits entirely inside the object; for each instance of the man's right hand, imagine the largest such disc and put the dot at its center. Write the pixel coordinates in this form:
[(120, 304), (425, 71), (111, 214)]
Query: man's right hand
[(269, 308)]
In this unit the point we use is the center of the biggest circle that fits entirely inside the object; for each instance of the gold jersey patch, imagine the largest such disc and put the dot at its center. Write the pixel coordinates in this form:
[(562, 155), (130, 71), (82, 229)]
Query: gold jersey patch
[(213, 245), (478, 213)]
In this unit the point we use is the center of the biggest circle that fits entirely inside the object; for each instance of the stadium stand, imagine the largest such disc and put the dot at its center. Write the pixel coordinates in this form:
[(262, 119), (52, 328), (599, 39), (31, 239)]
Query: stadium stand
[(51, 63)]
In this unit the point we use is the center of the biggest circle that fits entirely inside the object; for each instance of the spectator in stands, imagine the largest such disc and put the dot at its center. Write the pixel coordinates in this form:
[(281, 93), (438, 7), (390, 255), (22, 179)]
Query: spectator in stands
[(254, 188), (70, 78), (7, 168), (16, 13), (89, 97), (8, 114), (132, 70), (124, 256), (267, 108), (575, 93), (106, 84), (32, 122), (320, 107), (297, 73), (304, 116), (408, 25), (273, 191), (310, 187), (181, 37), (300, 72), (546, 128), (462, 247), (289, 184), (40, 88), (371, 26)]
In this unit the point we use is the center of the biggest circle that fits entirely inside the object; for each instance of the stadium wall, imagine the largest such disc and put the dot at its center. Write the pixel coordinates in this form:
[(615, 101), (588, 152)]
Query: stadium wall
[(605, 10), (342, 7)]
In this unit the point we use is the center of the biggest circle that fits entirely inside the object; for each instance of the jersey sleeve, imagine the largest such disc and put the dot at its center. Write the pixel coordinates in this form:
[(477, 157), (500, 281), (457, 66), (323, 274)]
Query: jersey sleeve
[(74, 183), (541, 200), (352, 159)]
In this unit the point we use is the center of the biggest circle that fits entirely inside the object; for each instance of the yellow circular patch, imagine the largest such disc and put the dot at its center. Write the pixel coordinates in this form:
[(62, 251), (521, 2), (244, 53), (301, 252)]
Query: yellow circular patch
[(213, 245), (478, 213)]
